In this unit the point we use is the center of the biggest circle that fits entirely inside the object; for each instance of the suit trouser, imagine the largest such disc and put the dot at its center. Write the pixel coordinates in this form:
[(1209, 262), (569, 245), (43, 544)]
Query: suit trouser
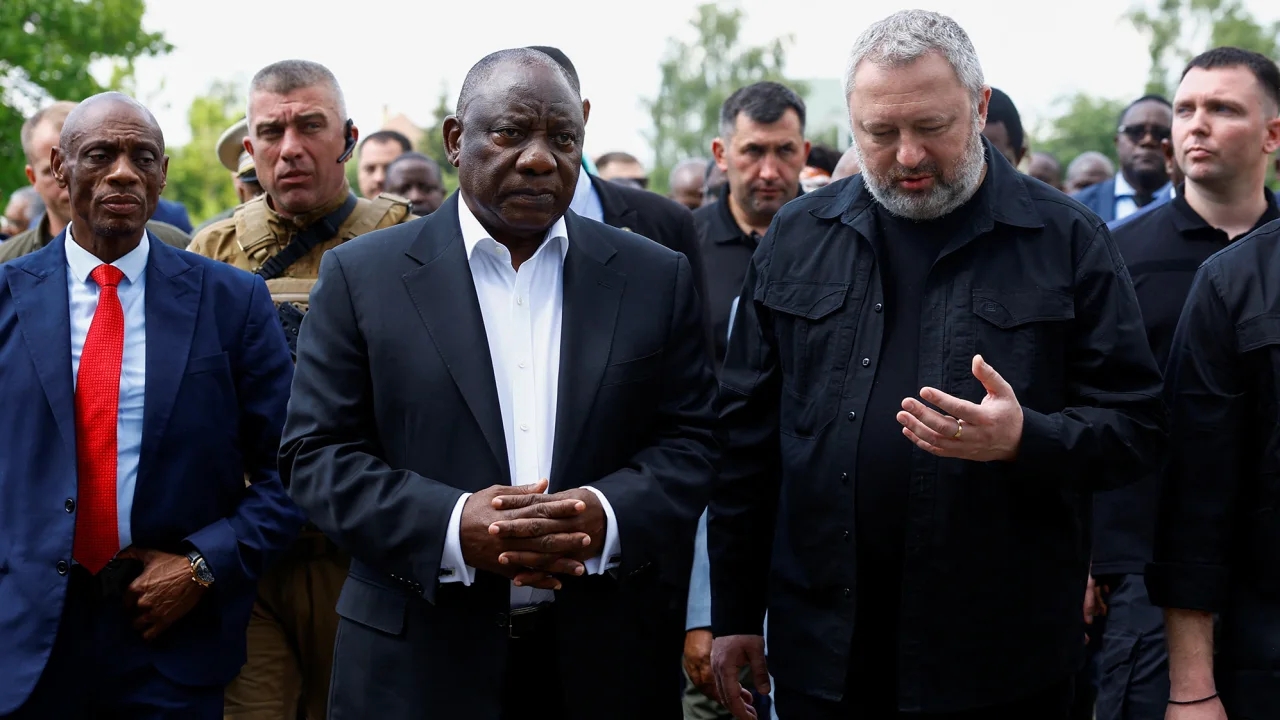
[(97, 670), (1132, 663), (291, 635)]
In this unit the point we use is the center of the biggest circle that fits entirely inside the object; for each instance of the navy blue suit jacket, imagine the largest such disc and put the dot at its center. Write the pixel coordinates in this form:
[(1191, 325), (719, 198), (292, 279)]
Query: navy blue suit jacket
[(1100, 198), (217, 384)]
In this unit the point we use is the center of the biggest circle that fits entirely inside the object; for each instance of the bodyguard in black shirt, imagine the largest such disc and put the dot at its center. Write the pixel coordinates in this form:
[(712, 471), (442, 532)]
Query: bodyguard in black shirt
[(1217, 535), (916, 561), (1220, 116)]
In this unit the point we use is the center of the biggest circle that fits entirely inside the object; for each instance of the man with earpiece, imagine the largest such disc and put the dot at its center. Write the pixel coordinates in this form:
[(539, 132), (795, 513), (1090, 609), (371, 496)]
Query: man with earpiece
[(300, 140)]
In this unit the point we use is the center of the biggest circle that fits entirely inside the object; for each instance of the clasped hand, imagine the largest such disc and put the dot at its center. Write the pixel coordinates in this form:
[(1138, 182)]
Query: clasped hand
[(522, 534)]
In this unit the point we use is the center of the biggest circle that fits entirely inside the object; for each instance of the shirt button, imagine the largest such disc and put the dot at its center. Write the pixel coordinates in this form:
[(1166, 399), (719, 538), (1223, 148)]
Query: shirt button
[(69, 505), (852, 416), (522, 364), (848, 536), (62, 567), (519, 300), (847, 593), (844, 478), (866, 362), (879, 307), (524, 427)]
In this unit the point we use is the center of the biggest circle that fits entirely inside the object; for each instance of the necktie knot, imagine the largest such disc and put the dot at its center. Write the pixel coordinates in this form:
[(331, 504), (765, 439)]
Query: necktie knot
[(107, 275)]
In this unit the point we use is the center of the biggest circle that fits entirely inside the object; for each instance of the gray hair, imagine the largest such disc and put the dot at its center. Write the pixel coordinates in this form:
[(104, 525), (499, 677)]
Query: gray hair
[(286, 76), (906, 36)]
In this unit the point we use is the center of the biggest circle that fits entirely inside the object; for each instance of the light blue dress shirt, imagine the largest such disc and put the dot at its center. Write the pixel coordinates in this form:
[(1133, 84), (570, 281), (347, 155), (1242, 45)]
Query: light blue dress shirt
[(586, 201), (1126, 205), (82, 294)]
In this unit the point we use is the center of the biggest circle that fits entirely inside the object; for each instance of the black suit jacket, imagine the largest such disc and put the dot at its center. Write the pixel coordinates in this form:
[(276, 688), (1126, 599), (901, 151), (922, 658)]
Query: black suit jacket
[(394, 414), (660, 219)]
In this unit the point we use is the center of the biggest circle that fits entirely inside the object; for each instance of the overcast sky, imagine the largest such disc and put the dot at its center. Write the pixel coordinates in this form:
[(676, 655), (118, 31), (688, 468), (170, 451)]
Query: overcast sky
[(397, 53)]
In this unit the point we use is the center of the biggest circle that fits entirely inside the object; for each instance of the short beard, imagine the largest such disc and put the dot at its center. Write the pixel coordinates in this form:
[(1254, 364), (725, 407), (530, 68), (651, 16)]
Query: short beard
[(949, 192)]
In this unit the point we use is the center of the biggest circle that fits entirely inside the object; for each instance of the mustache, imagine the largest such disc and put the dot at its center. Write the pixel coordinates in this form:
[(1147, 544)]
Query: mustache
[(901, 172)]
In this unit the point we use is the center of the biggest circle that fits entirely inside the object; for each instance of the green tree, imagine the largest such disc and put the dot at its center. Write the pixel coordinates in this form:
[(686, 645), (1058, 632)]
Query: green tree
[(46, 50), (697, 77), (196, 177), (432, 142), (1087, 123), (1178, 30)]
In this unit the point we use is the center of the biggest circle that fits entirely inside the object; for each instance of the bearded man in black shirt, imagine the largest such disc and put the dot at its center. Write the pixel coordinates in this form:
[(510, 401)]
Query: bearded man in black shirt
[(932, 366)]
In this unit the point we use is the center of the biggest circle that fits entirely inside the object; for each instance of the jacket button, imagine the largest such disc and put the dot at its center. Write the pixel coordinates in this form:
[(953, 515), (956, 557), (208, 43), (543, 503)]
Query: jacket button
[(844, 478), (866, 362), (69, 505), (847, 593), (879, 307), (852, 416), (62, 567), (848, 536)]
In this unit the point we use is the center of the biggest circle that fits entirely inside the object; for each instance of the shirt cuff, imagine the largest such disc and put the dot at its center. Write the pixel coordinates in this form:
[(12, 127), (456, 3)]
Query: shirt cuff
[(612, 555), (453, 568)]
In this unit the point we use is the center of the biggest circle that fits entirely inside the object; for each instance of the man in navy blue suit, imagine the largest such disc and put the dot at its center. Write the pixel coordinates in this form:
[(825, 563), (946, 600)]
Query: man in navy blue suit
[(143, 387)]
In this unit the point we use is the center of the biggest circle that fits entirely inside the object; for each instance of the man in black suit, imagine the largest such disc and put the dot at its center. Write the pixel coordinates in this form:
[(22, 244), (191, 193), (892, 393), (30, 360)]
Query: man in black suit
[(505, 341), (660, 219)]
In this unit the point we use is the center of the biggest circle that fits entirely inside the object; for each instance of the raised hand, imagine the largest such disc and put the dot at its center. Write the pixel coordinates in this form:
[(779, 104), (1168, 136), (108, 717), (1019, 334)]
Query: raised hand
[(985, 432)]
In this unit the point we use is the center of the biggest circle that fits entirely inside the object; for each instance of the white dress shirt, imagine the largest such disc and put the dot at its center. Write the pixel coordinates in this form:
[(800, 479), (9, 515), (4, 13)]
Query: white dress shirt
[(522, 311), (82, 296), (586, 201), (1125, 203)]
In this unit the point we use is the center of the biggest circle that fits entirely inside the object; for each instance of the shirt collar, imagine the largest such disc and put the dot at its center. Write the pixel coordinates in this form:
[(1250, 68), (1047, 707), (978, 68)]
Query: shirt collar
[(1123, 188), (583, 194), (473, 233), (81, 262), (1187, 220)]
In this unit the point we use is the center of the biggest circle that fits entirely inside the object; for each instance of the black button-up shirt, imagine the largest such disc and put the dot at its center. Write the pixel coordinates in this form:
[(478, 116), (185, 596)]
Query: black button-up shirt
[(726, 252), (1162, 248), (1217, 543), (1038, 288)]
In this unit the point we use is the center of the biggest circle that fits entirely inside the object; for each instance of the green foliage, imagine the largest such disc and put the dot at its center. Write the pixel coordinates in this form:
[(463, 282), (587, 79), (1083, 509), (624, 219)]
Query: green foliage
[(196, 178), (1088, 123), (432, 142), (46, 50), (697, 77), (1178, 30)]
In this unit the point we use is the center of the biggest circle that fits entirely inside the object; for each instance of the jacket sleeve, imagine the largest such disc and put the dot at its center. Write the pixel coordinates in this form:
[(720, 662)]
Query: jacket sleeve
[(239, 547), (1200, 494), (662, 490), (1112, 431), (331, 457), (740, 522)]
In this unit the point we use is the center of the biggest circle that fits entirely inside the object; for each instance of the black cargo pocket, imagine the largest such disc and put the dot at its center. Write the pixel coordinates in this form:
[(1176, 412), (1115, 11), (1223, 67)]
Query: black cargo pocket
[(1023, 335), (1258, 343), (373, 606), (814, 341)]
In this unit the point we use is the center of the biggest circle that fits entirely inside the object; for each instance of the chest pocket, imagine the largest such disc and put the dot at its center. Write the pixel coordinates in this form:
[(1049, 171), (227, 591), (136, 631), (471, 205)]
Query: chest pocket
[(1023, 334), (814, 340)]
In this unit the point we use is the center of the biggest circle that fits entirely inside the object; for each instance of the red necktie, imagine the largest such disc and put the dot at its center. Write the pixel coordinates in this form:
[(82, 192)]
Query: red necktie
[(97, 409)]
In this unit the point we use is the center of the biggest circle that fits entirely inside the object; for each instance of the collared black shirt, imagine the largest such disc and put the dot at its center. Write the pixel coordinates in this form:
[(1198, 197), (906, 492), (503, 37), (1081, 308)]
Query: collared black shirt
[(726, 252), (1162, 248), (996, 554), (1217, 545)]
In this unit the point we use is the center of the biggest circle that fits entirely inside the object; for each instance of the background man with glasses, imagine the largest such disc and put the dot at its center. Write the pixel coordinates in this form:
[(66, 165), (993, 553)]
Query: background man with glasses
[(1143, 178)]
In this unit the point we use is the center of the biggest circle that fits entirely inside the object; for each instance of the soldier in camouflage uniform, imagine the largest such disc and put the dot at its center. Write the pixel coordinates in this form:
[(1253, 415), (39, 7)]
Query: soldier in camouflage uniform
[(300, 139)]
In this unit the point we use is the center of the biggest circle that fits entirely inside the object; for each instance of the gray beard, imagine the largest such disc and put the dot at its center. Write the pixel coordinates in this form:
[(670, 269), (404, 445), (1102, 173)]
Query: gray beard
[(945, 197)]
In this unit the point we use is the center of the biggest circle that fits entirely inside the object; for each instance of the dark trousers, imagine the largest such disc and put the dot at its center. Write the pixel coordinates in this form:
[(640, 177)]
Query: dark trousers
[(1132, 662), (532, 689), (1050, 704), (97, 670)]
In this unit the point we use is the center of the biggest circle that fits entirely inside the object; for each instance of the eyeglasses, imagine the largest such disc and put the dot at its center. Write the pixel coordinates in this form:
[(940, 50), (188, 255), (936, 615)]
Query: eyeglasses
[(1137, 132)]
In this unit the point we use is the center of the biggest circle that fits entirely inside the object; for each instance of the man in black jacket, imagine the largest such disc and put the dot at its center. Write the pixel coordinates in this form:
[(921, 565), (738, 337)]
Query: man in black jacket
[(504, 341), (1217, 538), (934, 364)]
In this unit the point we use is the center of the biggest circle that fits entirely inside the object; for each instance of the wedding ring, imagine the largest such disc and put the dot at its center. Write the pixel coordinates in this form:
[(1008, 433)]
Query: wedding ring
[(959, 429)]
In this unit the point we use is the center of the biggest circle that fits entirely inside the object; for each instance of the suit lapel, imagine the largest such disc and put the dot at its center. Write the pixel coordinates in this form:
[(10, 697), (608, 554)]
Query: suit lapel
[(617, 213), (40, 297), (444, 294), (171, 303), (592, 295)]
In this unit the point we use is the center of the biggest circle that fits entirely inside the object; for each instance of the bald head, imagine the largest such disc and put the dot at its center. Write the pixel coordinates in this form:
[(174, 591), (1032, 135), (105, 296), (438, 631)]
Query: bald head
[(1089, 168), (848, 165), (93, 111), (478, 78), (686, 182)]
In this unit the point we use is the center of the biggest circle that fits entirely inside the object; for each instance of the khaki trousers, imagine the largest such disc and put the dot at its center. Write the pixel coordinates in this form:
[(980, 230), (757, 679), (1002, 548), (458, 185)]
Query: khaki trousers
[(291, 634)]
